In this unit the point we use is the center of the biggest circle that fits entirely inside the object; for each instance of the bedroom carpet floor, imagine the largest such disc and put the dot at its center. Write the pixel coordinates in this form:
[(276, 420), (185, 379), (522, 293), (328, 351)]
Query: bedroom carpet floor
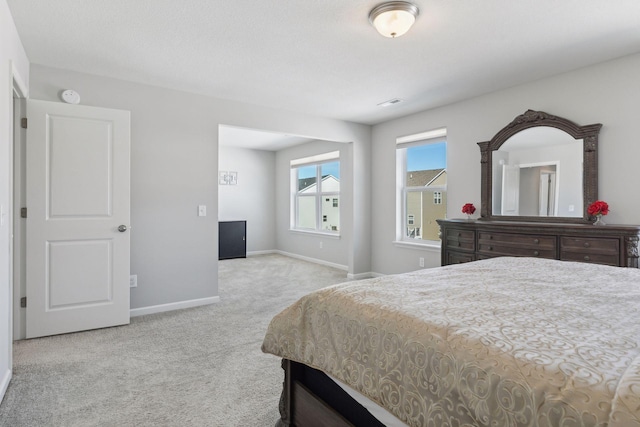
[(194, 367)]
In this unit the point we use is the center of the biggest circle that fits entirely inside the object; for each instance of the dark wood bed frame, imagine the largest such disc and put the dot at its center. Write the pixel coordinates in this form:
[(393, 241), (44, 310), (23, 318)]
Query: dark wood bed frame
[(311, 399)]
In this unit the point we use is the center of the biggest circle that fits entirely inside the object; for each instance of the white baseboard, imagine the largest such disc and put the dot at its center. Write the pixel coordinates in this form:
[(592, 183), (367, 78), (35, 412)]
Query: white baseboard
[(256, 253), (314, 260), (134, 312), (4, 383), (360, 276)]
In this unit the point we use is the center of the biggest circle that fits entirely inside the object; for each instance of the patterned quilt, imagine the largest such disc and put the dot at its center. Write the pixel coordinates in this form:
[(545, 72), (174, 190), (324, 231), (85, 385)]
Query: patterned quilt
[(499, 342)]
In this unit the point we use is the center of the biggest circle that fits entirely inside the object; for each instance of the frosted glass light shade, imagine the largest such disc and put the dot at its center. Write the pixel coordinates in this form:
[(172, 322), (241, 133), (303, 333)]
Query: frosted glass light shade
[(393, 19)]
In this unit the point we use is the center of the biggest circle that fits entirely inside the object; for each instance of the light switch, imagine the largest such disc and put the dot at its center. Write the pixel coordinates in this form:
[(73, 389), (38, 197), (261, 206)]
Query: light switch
[(202, 210)]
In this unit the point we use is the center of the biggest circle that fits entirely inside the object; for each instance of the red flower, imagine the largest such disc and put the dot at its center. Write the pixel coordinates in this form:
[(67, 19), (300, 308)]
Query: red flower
[(598, 208), (468, 208)]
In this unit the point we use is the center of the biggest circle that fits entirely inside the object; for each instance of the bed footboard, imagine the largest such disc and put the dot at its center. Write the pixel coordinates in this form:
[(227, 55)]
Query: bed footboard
[(310, 398)]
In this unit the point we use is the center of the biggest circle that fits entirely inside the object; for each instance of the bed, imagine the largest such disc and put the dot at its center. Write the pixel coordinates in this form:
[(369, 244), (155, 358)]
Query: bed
[(497, 342)]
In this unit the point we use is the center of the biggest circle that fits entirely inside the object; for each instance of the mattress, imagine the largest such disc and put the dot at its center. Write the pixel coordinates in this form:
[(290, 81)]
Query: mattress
[(505, 341), (380, 413)]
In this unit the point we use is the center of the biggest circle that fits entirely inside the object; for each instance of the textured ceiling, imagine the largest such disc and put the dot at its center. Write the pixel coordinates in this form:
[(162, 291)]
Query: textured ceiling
[(322, 57)]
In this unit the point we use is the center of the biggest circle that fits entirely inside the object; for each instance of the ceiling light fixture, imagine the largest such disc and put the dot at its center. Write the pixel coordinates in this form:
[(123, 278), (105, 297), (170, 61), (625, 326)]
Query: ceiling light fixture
[(394, 18)]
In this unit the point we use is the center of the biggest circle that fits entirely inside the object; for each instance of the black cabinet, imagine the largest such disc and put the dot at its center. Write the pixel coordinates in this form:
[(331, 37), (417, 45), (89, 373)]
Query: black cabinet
[(232, 239)]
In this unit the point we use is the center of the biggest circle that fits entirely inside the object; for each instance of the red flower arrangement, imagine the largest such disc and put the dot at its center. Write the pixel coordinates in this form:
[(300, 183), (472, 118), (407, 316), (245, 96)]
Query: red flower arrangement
[(598, 208), (468, 208)]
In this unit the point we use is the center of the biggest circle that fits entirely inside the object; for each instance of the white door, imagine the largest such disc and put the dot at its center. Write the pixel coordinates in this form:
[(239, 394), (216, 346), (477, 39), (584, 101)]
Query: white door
[(77, 186), (510, 190), (547, 194)]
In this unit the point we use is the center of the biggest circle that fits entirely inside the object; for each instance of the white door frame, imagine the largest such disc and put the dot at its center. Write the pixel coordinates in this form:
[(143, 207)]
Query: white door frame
[(18, 200), (16, 88)]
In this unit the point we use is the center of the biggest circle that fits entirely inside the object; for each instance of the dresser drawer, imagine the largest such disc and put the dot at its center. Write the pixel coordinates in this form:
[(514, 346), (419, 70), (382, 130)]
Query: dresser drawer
[(523, 240), (512, 244), (594, 258), (459, 258), (593, 250), (460, 239), (590, 245), (493, 250)]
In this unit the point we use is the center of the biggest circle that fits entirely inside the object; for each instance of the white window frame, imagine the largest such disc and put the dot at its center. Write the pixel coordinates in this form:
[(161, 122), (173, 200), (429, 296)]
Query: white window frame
[(317, 161), (402, 223), (437, 197)]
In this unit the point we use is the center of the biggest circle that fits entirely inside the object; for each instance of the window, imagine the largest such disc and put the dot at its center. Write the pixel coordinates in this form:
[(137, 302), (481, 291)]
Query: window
[(315, 183), (437, 197), (422, 185)]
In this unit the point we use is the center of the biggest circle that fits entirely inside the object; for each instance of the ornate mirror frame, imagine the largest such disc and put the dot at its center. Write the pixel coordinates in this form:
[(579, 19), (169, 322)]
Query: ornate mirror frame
[(530, 119)]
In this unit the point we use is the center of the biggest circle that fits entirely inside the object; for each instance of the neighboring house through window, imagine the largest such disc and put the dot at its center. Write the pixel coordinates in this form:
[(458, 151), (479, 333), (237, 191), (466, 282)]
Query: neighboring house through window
[(315, 183), (422, 185)]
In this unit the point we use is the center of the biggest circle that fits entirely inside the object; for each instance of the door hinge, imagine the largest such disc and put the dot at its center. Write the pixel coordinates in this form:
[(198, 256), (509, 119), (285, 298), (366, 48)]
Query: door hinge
[(23, 302), (23, 212), (23, 123)]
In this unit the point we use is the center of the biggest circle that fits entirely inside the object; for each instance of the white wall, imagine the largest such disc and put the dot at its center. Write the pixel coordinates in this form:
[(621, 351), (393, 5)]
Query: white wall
[(14, 65), (253, 198), (334, 251), (174, 168), (607, 93)]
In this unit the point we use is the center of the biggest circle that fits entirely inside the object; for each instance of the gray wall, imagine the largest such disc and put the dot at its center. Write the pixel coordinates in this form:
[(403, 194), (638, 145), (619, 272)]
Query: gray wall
[(253, 198), (174, 164), (334, 250), (607, 93)]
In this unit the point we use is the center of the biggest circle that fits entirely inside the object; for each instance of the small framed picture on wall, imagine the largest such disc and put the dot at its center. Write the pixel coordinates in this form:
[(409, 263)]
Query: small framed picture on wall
[(233, 178), (223, 177)]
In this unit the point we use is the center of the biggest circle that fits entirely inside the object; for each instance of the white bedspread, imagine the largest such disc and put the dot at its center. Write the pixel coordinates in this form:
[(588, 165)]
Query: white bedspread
[(500, 342)]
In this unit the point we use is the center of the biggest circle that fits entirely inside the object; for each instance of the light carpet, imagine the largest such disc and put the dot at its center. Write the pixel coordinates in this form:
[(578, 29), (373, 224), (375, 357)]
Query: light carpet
[(195, 367)]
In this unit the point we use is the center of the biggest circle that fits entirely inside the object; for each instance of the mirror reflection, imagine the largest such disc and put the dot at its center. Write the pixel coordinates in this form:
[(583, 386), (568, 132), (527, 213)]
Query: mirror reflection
[(538, 172)]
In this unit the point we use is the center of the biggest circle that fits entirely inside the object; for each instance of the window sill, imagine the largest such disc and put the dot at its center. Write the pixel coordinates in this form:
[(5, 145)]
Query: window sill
[(431, 247), (316, 233)]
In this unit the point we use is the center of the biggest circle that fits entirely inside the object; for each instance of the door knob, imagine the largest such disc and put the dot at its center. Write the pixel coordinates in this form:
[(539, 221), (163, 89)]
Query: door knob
[(122, 228)]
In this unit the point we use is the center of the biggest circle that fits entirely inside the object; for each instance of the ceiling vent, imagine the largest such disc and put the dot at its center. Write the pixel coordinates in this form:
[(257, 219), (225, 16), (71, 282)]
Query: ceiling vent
[(393, 101)]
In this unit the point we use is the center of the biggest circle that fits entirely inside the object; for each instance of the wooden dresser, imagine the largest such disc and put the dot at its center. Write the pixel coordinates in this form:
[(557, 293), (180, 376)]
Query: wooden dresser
[(468, 240)]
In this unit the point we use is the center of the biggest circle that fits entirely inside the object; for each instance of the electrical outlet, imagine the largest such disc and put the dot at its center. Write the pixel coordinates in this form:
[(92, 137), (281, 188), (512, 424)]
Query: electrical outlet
[(133, 281), (421, 262), (320, 245), (202, 210)]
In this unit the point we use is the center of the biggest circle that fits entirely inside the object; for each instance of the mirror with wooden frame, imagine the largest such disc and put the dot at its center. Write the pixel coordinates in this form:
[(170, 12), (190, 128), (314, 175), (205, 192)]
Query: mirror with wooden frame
[(540, 168)]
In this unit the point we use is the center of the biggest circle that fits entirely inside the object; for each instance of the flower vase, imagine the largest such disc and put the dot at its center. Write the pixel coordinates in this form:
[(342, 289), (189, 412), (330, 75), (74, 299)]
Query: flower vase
[(599, 220), (468, 217)]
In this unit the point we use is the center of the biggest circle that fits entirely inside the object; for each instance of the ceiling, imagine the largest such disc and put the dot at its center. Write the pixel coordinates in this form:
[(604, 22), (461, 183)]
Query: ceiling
[(253, 139), (322, 57)]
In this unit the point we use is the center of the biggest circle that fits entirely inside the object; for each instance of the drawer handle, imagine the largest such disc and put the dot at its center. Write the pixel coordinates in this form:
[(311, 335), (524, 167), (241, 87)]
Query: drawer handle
[(490, 248), (587, 244), (459, 234), (458, 244), (587, 258), (490, 236), (536, 241), (536, 253)]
